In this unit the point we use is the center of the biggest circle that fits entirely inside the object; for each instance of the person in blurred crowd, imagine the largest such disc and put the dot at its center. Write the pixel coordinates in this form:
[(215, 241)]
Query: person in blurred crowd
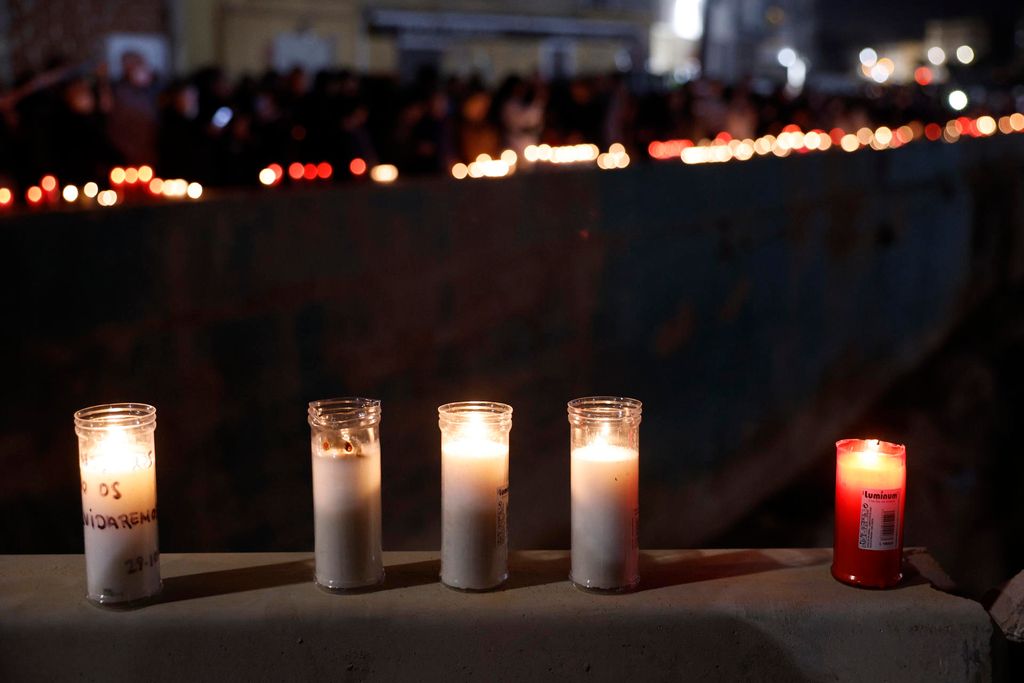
[(132, 122), (740, 114), (522, 114), (477, 132), (80, 135), (183, 146)]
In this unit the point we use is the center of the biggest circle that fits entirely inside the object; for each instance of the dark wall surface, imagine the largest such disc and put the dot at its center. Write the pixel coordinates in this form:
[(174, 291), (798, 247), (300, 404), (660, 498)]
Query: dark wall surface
[(755, 308)]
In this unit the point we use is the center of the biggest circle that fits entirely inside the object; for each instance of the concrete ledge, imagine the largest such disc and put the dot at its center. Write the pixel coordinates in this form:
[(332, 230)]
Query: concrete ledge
[(700, 614)]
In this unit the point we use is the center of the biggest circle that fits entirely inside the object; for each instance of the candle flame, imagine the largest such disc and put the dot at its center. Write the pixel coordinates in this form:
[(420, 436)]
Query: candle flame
[(116, 451), (870, 455), (474, 428)]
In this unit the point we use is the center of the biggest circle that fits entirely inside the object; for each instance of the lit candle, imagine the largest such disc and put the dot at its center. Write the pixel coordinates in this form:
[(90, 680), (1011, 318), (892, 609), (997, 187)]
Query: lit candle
[(117, 461), (871, 486), (474, 494), (346, 492), (605, 483)]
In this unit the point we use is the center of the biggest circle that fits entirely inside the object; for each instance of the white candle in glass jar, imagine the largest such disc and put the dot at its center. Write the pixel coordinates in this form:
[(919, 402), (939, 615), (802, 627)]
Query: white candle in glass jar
[(474, 508), (119, 515), (605, 513), (346, 508)]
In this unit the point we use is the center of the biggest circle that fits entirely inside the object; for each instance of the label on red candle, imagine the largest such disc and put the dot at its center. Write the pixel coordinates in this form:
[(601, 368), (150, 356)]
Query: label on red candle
[(879, 523)]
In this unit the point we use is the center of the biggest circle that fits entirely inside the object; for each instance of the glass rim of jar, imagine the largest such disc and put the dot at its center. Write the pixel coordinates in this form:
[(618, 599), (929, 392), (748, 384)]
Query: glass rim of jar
[(605, 409), (466, 412), (884, 448), (106, 415), (345, 411)]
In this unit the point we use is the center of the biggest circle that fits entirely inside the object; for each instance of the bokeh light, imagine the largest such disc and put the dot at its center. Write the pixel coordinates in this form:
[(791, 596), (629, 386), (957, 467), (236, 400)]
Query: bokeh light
[(267, 177), (965, 54), (957, 100), (357, 166), (384, 173)]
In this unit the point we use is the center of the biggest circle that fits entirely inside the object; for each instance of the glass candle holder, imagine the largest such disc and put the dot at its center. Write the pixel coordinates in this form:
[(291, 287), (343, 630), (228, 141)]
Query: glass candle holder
[(474, 494), (605, 484), (871, 487), (345, 438), (117, 462)]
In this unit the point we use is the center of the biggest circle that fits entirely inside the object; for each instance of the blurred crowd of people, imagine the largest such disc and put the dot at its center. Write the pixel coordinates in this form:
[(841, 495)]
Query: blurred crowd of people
[(78, 123)]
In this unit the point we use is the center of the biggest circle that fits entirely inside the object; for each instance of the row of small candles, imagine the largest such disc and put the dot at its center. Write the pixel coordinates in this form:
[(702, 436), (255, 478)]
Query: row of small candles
[(124, 183), (792, 140), (119, 510), (723, 147), (298, 172)]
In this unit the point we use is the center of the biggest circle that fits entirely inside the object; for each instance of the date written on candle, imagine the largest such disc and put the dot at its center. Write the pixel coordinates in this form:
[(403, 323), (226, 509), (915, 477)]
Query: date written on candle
[(137, 564)]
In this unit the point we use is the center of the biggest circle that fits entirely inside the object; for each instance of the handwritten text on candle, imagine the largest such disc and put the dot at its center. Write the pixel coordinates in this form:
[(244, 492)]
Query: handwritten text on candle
[(105, 489), (123, 521)]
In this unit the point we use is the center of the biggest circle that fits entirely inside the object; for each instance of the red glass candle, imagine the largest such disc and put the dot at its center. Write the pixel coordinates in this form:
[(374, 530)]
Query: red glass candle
[(871, 488)]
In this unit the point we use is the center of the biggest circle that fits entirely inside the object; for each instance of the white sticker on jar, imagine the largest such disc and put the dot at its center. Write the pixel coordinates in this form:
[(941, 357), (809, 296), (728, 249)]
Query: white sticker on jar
[(502, 518), (879, 519)]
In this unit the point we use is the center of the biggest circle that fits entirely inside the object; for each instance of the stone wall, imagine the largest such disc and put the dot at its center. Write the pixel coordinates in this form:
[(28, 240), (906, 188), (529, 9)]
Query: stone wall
[(756, 308)]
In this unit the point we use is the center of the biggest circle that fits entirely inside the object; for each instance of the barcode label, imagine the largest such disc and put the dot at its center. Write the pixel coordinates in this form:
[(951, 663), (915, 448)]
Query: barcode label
[(501, 535), (879, 519)]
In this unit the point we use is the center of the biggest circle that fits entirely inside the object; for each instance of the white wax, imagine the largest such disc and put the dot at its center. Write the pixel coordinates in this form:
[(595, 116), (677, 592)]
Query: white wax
[(474, 509), (122, 558), (346, 516), (605, 511)]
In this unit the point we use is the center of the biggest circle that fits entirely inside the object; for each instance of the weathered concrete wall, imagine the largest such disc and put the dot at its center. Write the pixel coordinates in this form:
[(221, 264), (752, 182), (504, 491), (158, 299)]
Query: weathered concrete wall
[(755, 308), (709, 615), (725, 615)]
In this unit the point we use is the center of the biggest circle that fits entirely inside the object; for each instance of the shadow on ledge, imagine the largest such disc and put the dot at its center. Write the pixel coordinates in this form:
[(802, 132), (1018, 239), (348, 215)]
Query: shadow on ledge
[(657, 570), (227, 581), (689, 566)]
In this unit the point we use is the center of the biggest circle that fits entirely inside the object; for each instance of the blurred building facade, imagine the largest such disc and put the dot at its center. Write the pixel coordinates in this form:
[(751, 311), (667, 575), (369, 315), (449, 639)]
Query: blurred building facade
[(726, 40), (492, 39)]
